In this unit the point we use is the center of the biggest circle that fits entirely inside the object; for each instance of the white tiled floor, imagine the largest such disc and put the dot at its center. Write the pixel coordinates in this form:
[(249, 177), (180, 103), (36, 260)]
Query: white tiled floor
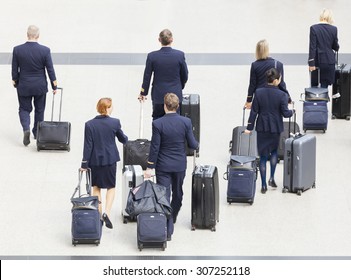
[(36, 187)]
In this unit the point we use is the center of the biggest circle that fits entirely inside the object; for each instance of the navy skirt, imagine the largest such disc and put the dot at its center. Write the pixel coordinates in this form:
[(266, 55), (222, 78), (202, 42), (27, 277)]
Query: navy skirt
[(104, 177), (267, 142)]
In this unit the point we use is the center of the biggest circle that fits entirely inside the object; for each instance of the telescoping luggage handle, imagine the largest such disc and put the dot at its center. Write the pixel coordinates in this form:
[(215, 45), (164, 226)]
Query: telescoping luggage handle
[(141, 120), (53, 102), (87, 182)]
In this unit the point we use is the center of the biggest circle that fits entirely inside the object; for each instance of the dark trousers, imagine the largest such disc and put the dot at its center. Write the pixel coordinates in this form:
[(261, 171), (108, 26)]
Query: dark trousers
[(326, 75), (26, 107), (173, 181)]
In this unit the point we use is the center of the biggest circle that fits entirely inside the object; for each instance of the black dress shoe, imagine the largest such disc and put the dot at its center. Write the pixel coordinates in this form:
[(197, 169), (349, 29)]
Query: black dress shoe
[(107, 221), (263, 189), (272, 183), (26, 136)]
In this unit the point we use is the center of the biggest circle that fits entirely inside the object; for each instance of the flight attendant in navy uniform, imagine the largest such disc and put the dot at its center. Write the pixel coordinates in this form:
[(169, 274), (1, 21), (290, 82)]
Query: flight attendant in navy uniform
[(269, 107), (259, 69), (168, 155), (323, 43), (29, 63), (170, 73), (101, 154)]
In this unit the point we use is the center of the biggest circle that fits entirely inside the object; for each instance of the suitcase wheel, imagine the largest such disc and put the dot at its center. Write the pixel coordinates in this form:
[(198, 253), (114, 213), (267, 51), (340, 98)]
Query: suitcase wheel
[(285, 190), (192, 227), (299, 192), (347, 118), (314, 185), (333, 117), (164, 246), (140, 246), (213, 229)]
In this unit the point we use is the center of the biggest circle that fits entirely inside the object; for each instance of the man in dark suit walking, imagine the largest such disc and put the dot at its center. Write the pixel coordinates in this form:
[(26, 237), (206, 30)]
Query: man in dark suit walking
[(170, 73), (29, 62), (167, 153), (323, 43)]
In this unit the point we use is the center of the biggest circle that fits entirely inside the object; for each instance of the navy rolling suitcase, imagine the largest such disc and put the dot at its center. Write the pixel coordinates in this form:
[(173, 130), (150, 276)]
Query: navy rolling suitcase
[(315, 115), (341, 106), (204, 197), (151, 230), (86, 225), (54, 135), (241, 176), (136, 152), (190, 108)]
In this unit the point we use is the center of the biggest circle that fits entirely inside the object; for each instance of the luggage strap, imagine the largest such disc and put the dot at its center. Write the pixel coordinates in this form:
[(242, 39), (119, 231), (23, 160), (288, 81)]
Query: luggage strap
[(88, 182)]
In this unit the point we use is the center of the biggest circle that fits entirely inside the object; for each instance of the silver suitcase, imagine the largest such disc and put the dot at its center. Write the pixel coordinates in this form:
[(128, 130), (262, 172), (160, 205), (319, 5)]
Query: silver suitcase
[(132, 176), (299, 163)]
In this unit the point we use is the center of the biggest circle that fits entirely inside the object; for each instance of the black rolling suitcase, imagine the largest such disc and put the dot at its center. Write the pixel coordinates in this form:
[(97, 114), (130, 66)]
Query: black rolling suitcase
[(204, 197), (54, 135), (190, 108), (241, 176), (86, 227), (136, 152), (341, 105), (151, 230)]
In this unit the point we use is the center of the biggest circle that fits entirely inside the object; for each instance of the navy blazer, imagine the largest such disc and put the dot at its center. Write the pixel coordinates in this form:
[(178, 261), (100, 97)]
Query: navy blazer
[(167, 151), (269, 107), (170, 73), (323, 40), (100, 147), (29, 62), (258, 77)]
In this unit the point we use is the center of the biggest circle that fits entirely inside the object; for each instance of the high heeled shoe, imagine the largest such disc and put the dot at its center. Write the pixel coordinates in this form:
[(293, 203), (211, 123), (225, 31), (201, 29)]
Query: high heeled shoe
[(107, 221), (272, 183), (263, 189)]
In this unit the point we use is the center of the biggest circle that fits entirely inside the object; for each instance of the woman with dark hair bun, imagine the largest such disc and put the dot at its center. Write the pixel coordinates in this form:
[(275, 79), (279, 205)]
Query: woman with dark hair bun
[(269, 107)]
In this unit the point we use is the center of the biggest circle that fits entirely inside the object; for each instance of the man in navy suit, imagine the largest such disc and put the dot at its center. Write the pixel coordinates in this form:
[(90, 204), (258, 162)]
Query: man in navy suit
[(29, 62), (170, 73), (168, 155), (323, 43)]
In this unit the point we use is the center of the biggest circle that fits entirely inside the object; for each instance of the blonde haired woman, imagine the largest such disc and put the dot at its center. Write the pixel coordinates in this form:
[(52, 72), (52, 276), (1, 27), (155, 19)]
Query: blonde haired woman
[(323, 43), (258, 71), (101, 155)]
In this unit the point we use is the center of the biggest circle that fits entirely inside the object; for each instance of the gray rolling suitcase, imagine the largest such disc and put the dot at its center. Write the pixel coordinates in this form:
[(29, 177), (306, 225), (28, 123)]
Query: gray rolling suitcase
[(132, 176), (288, 129), (299, 163), (243, 144)]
